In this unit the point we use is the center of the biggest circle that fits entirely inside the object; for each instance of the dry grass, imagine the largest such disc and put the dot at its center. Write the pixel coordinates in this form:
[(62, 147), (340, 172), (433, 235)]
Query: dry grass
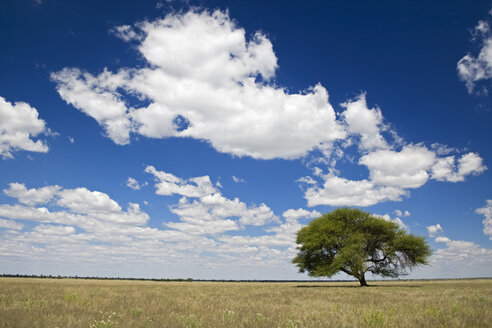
[(97, 303)]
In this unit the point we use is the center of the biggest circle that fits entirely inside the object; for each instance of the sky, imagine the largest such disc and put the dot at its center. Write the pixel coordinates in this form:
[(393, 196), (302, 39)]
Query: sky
[(176, 139)]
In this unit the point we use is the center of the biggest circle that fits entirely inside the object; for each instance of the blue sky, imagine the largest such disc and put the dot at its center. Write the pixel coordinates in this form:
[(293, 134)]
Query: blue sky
[(194, 138)]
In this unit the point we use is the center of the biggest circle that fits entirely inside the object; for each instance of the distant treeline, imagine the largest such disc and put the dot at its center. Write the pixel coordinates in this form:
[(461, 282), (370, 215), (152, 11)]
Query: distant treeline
[(42, 276), (157, 279)]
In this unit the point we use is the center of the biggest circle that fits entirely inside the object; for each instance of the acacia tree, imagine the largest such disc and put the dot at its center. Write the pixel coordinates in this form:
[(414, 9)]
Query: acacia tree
[(355, 242)]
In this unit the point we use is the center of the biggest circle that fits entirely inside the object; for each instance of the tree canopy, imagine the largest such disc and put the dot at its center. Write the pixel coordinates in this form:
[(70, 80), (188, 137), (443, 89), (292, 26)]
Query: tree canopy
[(355, 242)]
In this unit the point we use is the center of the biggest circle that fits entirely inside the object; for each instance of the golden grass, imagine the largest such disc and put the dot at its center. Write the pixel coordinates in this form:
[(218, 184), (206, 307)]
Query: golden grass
[(101, 303)]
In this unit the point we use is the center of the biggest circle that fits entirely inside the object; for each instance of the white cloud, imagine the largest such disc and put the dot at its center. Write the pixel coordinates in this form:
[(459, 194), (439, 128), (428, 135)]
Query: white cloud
[(126, 33), (237, 180), (283, 235), (292, 214), (459, 252), (31, 196), (19, 123), (482, 27), (393, 166), (442, 149), (473, 69), (442, 239), (486, 211), (433, 230), (337, 191), (68, 232), (397, 220), (206, 235), (82, 90), (133, 184), (206, 81), (82, 200), (215, 210), (168, 184), (400, 214), (365, 122), (209, 212), (83, 207), (48, 229), (9, 224), (445, 168), (405, 169)]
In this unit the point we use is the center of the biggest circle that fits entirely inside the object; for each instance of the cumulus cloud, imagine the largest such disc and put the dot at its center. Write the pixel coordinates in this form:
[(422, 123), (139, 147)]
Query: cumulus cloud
[(390, 174), (62, 231), (461, 253), (475, 68), (394, 166), (88, 92), (81, 207), (338, 191), (168, 184), (458, 253), (405, 169), (10, 224), (83, 226), (292, 214), (82, 200), (207, 81), (203, 209), (486, 211), (442, 239), (400, 214), (445, 168), (433, 230), (212, 211), (19, 123), (282, 235), (396, 220), (367, 123), (442, 149), (133, 184), (31, 196), (49, 229)]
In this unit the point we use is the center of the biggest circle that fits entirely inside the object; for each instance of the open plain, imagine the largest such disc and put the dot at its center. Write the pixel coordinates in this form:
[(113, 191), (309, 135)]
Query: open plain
[(30, 302)]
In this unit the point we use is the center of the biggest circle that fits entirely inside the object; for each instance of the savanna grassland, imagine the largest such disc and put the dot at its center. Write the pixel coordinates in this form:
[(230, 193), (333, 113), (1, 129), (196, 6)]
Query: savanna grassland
[(26, 302)]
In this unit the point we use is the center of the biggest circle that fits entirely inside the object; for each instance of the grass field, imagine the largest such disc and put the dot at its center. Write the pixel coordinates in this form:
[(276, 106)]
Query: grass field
[(60, 303)]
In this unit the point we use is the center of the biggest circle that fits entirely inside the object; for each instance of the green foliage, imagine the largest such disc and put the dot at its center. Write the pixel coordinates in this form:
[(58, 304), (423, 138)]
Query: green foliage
[(192, 322), (136, 312), (355, 242), (228, 314)]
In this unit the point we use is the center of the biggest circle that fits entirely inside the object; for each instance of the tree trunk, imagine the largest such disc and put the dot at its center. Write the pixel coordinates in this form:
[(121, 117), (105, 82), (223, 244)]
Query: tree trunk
[(362, 281)]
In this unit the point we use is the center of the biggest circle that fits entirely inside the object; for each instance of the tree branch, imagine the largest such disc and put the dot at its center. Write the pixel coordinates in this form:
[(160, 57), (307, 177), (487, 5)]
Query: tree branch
[(347, 272), (378, 260)]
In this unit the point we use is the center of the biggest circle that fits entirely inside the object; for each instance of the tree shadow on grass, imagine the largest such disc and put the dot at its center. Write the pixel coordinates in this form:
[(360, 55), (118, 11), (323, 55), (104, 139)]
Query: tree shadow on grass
[(349, 286)]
